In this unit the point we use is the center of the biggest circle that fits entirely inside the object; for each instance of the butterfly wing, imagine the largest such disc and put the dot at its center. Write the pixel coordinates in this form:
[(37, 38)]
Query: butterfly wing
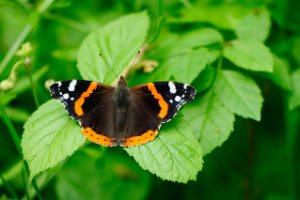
[(175, 95), (88, 102), (152, 104)]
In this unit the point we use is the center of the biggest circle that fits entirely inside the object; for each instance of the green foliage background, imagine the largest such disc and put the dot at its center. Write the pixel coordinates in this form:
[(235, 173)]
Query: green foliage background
[(239, 139)]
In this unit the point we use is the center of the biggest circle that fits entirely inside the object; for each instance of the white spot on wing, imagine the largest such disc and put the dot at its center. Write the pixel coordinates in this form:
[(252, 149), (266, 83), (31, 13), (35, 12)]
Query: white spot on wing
[(72, 98), (185, 86), (59, 84), (60, 93), (66, 96), (177, 98), (171, 101), (72, 85), (172, 87)]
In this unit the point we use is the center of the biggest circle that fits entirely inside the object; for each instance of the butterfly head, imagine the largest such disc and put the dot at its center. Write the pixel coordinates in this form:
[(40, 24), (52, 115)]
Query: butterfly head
[(122, 82)]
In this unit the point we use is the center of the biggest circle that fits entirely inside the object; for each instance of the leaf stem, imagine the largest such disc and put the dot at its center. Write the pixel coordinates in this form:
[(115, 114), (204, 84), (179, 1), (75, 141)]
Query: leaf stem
[(9, 189), (15, 47), (219, 64), (220, 61)]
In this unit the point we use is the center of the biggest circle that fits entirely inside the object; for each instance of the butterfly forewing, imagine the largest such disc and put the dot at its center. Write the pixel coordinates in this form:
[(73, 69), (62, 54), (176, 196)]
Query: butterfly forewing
[(90, 103), (169, 96)]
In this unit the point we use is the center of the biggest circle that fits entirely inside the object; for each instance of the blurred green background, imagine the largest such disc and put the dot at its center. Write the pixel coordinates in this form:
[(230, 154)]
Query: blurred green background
[(260, 160)]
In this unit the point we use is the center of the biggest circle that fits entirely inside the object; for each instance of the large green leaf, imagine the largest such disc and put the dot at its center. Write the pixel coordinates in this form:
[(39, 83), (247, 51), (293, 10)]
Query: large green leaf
[(210, 120), (118, 42), (186, 67), (254, 26), (280, 75), (174, 155), (239, 93), (249, 54), (295, 97), (183, 67), (171, 44), (50, 136)]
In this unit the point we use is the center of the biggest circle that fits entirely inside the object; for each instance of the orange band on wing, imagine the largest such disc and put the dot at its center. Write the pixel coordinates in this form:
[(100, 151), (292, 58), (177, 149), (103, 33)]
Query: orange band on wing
[(96, 137), (140, 139), (162, 103), (78, 104)]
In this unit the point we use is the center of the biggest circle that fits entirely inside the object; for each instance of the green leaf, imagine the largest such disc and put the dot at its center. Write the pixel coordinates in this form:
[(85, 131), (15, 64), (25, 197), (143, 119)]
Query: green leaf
[(118, 43), (295, 97), (50, 136), (222, 15), (195, 39), (205, 79), (112, 175), (280, 75), (239, 93), (255, 26), (174, 155), (251, 55), (183, 67), (171, 44), (210, 120)]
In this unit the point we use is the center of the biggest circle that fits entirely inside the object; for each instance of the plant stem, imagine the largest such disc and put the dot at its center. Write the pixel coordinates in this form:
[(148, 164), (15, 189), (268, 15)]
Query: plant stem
[(12, 172), (291, 130), (33, 90), (12, 131), (24, 181), (45, 5), (15, 47), (17, 142), (35, 186), (186, 4), (9, 189), (69, 22)]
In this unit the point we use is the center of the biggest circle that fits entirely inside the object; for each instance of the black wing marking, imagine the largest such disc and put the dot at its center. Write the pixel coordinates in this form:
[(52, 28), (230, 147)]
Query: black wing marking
[(176, 95)]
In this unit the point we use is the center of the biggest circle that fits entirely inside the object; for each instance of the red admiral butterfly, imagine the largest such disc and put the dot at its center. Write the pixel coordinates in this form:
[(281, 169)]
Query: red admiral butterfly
[(121, 116)]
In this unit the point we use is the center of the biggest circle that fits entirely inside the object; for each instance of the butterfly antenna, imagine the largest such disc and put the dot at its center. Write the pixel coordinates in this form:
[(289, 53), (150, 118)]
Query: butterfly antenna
[(109, 66)]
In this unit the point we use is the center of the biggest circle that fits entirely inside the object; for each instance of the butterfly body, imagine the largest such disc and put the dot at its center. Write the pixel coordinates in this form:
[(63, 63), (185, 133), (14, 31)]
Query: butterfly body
[(121, 116)]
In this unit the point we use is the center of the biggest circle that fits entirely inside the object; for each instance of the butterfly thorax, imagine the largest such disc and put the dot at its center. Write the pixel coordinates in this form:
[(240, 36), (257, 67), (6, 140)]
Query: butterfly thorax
[(121, 101)]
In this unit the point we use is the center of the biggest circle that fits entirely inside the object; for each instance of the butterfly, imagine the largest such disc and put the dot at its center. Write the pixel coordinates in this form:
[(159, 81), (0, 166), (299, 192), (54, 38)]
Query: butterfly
[(121, 116)]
